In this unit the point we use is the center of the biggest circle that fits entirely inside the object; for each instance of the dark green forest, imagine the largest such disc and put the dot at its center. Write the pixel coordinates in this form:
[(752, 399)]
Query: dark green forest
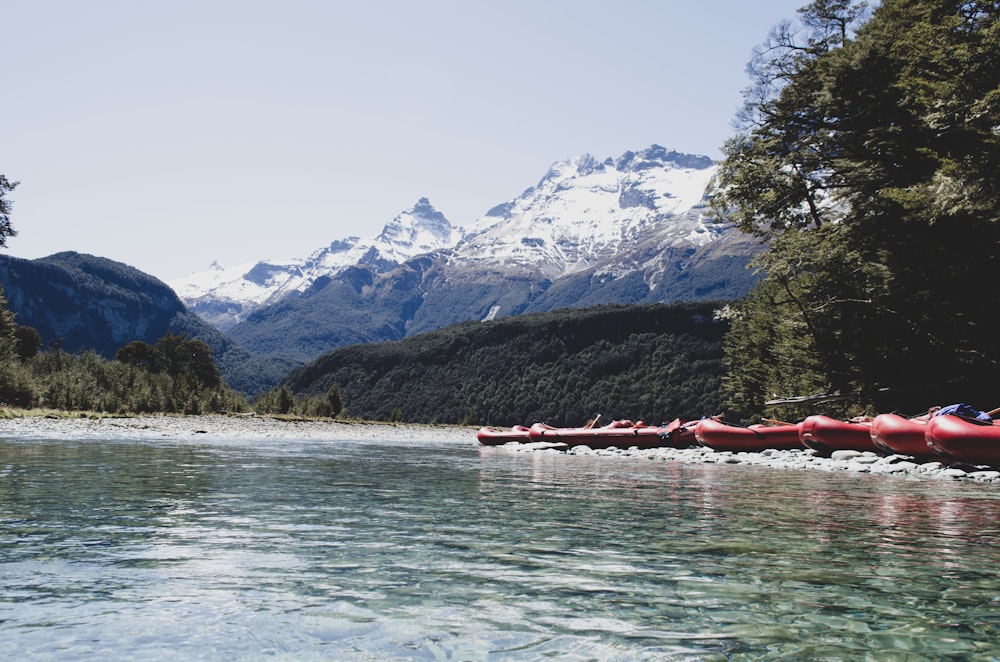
[(652, 363)]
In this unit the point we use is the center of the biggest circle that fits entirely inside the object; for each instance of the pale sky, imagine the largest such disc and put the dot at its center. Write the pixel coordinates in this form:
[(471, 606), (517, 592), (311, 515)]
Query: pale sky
[(168, 134)]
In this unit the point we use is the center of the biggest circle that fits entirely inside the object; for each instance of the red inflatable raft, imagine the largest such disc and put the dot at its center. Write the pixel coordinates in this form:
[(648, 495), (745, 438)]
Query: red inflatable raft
[(679, 434), (724, 437), (622, 434), (825, 434), (960, 439), (893, 433), (490, 436)]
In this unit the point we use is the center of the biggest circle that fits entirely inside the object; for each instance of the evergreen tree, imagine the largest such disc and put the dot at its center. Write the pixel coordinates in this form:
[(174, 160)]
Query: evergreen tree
[(8, 339), (868, 159), (6, 229), (141, 355), (28, 341), (335, 401), (181, 356), (286, 401)]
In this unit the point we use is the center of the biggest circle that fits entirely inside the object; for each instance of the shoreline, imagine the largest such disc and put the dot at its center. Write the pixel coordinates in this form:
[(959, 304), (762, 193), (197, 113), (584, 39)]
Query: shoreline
[(806, 459), (240, 426)]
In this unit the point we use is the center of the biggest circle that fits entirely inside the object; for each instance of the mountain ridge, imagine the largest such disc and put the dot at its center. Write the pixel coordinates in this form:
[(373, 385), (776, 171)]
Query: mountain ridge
[(578, 214), (633, 229), (224, 297)]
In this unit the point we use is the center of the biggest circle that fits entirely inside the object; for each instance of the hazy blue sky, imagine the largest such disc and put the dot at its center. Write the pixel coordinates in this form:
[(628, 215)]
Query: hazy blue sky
[(168, 134)]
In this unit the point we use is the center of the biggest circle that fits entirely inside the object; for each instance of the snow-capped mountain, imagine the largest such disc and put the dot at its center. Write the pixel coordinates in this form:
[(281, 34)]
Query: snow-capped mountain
[(225, 296), (631, 229), (585, 212)]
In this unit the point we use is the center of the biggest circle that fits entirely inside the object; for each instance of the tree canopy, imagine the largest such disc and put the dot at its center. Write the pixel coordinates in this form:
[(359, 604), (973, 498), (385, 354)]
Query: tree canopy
[(8, 343), (6, 229), (867, 154)]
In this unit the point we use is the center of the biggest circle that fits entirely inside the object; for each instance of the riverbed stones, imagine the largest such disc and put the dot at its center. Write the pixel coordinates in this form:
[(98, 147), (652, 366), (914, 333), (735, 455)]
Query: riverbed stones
[(539, 446), (806, 459)]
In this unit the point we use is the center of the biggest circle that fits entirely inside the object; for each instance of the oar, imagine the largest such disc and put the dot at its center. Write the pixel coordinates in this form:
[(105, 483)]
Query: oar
[(771, 421)]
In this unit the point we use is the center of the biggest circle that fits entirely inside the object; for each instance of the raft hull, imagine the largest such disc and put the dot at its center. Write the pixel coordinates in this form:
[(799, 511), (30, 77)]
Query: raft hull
[(723, 437), (895, 434), (490, 436), (642, 436), (826, 435), (958, 439)]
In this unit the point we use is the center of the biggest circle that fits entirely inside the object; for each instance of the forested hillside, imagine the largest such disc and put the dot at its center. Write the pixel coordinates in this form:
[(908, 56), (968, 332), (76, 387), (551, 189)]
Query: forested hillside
[(652, 362)]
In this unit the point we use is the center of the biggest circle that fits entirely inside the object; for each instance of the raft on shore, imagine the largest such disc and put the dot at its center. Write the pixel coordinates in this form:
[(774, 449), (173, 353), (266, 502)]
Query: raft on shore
[(957, 434), (622, 433)]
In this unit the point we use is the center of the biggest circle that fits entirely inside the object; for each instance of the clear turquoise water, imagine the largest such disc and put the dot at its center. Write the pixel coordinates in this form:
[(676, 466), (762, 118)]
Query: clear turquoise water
[(368, 550)]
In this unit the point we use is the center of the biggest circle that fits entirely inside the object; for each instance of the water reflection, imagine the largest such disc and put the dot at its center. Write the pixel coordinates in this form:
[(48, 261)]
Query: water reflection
[(366, 550), (811, 565)]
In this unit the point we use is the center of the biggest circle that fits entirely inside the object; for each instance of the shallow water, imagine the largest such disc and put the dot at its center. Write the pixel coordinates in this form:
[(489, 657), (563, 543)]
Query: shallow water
[(362, 550)]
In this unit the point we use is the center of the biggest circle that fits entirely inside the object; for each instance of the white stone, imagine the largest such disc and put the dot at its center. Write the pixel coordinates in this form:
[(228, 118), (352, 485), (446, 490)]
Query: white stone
[(886, 468), (542, 446)]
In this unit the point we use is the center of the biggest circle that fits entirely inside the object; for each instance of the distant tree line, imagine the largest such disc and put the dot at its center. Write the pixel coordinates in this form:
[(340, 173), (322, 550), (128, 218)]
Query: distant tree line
[(281, 401), (652, 362)]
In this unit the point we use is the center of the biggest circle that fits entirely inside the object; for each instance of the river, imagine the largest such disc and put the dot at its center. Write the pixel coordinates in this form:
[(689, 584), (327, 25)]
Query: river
[(409, 549)]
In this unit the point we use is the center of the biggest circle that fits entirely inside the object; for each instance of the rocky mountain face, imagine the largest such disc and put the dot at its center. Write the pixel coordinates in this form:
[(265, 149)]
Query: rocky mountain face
[(84, 302), (584, 214), (632, 229)]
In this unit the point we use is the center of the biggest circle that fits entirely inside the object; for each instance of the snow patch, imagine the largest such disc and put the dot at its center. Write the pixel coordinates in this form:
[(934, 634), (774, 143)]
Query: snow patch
[(490, 316)]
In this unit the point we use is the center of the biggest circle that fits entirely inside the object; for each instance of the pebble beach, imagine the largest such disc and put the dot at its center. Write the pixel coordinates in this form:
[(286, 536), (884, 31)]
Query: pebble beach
[(220, 426), (263, 427)]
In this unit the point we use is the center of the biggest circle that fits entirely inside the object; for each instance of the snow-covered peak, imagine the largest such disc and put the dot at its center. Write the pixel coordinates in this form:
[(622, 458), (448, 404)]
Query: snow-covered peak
[(422, 229), (583, 211), (236, 291), (251, 281)]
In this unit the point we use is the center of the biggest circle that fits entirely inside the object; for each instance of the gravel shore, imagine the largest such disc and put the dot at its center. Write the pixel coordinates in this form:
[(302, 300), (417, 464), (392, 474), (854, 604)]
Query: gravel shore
[(221, 426)]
